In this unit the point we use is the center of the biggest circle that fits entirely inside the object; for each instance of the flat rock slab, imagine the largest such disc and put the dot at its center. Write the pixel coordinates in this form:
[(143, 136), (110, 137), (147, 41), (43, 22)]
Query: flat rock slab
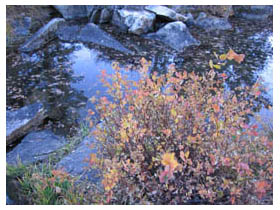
[(42, 36), (212, 23), (35, 146), (250, 12), (75, 163), (89, 33), (22, 121)]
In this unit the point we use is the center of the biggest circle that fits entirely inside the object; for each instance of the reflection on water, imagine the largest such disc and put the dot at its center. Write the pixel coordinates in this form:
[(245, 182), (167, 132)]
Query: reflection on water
[(64, 75), (266, 73), (88, 64)]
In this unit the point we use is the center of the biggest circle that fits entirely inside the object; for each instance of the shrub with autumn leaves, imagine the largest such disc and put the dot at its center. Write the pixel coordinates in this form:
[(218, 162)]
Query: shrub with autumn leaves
[(180, 138)]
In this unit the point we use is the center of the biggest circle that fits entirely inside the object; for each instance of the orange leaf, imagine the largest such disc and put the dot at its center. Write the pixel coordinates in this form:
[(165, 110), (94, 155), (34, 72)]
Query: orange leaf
[(167, 132), (226, 161), (92, 159), (90, 124), (216, 108), (231, 55), (239, 58), (90, 112), (261, 187), (168, 159)]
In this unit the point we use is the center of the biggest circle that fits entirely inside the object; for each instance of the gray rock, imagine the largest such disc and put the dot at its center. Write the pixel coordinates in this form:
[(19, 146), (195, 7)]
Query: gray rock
[(212, 23), (176, 35), (74, 12), (136, 22), (42, 36), (105, 16), (169, 14), (162, 11), (75, 163), (35, 146), (257, 12), (89, 33), (93, 34), (22, 121), (95, 16)]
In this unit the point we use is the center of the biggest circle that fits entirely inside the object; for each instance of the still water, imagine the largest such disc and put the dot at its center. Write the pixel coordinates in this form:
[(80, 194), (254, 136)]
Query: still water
[(63, 76)]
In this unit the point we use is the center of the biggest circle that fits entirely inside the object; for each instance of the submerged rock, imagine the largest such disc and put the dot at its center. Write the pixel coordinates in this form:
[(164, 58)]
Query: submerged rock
[(35, 146), (136, 22), (176, 35), (42, 36), (75, 163), (257, 12), (212, 23), (22, 121), (90, 33)]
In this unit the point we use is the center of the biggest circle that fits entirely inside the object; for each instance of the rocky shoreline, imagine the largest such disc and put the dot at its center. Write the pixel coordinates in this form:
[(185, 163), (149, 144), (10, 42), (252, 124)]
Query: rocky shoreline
[(172, 26)]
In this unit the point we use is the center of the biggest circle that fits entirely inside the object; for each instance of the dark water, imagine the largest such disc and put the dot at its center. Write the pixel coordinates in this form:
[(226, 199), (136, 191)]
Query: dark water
[(65, 75)]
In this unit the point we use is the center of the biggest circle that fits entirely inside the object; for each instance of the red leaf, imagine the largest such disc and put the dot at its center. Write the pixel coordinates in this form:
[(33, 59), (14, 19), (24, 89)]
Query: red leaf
[(258, 93), (261, 187)]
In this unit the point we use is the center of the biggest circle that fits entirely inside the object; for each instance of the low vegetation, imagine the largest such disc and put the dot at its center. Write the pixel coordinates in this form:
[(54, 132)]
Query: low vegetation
[(177, 138)]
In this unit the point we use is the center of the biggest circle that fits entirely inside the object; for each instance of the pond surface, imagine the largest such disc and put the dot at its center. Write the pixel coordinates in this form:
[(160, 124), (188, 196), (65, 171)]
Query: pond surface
[(63, 76)]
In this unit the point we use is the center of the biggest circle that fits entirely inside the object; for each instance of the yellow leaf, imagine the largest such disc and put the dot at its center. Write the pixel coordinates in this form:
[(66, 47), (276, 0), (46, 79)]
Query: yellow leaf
[(220, 125), (216, 66), (123, 135), (173, 112), (223, 57), (113, 106), (150, 166), (194, 130), (211, 64), (125, 124), (168, 159), (187, 154)]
